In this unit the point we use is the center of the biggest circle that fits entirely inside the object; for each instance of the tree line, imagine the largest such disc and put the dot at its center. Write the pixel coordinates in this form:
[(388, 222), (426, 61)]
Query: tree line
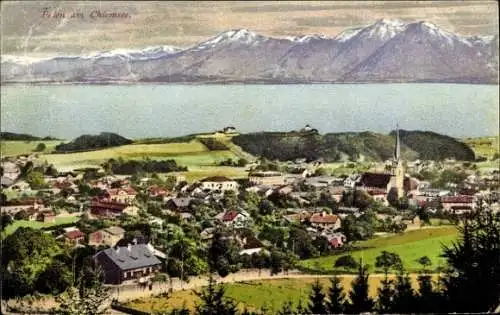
[(131, 167)]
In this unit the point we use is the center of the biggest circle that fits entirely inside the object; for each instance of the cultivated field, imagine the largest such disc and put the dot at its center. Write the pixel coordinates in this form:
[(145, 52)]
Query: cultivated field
[(200, 161), (484, 146), (10, 148), (409, 246), (254, 295)]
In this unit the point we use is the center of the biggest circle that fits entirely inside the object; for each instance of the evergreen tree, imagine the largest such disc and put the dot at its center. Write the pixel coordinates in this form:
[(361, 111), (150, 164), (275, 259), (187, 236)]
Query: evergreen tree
[(286, 309), (317, 299), (336, 297), (385, 295), (427, 297), (404, 296), (359, 298), (472, 283), (213, 302), (300, 309), (87, 298)]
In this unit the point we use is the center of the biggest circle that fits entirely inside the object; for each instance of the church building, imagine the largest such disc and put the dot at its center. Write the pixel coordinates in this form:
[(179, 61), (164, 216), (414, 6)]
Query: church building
[(393, 182)]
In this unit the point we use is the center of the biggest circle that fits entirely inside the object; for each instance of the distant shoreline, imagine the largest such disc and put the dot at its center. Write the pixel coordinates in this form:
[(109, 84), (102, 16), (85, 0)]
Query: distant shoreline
[(237, 82)]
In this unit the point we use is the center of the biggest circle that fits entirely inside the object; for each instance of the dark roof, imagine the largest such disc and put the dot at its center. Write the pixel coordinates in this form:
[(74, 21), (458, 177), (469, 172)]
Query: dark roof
[(181, 202), (217, 179), (110, 205), (130, 257), (379, 180)]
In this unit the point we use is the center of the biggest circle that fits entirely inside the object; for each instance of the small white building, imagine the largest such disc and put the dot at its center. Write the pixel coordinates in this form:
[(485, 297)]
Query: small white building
[(218, 183)]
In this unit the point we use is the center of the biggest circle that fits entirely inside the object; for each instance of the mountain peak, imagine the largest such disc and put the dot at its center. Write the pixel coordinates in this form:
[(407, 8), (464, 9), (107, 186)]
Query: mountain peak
[(385, 28), (235, 35)]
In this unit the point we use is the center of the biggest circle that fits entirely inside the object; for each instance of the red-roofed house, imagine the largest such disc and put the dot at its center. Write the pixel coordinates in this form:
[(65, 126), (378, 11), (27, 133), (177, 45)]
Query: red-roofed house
[(74, 237), (378, 194), (155, 191), (106, 208), (325, 220), (449, 202), (109, 236), (123, 195), (234, 218)]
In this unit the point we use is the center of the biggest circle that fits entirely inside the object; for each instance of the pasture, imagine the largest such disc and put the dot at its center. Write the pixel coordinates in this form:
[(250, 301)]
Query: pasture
[(13, 148), (11, 228), (409, 246)]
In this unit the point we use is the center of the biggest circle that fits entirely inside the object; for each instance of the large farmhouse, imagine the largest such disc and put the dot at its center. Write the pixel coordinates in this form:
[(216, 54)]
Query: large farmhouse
[(132, 262)]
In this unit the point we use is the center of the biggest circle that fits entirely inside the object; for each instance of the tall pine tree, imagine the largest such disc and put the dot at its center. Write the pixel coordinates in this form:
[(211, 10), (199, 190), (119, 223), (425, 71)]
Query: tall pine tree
[(213, 302), (385, 295), (404, 297), (472, 283), (317, 299), (286, 309), (360, 301), (336, 297)]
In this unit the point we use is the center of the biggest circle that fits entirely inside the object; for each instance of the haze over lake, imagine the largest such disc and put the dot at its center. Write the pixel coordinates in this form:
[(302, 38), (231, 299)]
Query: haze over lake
[(138, 111)]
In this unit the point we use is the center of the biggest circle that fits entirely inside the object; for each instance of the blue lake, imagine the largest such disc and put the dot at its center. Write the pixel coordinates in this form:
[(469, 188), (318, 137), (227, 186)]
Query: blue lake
[(137, 111)]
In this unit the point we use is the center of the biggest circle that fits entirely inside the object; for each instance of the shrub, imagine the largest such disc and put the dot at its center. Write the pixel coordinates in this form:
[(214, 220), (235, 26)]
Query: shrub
[(346, 261)]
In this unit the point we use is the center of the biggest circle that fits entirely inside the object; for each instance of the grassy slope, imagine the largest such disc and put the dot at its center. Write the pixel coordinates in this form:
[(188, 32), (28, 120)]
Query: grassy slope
[(270, 293), (483, 146), (410, 246), (9, 148), (36, 224), (191, 153)]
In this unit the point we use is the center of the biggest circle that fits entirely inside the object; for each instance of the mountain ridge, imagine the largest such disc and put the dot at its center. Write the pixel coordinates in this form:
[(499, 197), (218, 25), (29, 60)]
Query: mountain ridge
[(386, 51)]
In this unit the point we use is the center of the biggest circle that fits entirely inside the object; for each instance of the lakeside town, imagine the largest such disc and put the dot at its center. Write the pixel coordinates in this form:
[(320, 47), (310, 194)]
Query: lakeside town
[(153, 233)]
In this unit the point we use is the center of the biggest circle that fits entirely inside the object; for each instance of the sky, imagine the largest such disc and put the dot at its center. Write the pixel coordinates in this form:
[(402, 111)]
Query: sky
[(73, 27)]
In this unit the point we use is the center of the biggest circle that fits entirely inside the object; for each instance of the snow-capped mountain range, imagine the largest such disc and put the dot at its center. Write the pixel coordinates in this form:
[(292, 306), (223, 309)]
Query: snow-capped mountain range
[(386, 51)]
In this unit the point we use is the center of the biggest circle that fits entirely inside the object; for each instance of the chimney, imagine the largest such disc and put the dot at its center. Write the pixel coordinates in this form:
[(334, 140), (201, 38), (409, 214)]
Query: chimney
[(323, 213), (129, 247)]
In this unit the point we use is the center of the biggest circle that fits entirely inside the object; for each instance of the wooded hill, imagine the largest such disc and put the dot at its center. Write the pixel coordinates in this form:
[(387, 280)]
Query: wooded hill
[(334, 147), (11, 136), (93, 142)]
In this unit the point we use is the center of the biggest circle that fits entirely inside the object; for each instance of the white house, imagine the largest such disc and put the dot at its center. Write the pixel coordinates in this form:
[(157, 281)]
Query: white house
[(220, 183)]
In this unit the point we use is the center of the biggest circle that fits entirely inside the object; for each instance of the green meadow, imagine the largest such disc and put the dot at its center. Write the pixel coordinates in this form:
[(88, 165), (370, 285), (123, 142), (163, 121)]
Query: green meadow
[(12, 148), (409, 246), (11, 228)]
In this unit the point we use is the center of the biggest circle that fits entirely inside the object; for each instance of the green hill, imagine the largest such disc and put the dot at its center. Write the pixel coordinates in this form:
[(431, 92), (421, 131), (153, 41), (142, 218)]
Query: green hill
[(334, 147)]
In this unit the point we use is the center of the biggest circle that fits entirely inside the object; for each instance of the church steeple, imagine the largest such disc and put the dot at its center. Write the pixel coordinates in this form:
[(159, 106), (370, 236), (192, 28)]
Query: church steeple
[(398, 170), (397, 149)]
